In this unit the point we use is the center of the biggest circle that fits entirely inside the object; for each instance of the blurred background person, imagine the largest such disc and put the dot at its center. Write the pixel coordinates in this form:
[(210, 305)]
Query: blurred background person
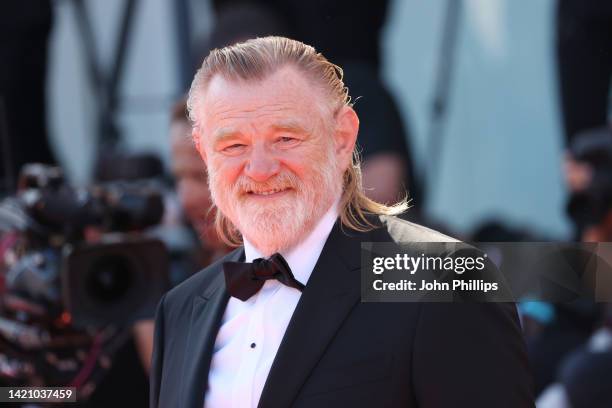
[(191, 182), (573, 352), (584, 64)]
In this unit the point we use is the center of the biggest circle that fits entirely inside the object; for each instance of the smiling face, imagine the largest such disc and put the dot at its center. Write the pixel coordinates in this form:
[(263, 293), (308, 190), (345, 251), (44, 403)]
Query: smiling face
[(275, 154)]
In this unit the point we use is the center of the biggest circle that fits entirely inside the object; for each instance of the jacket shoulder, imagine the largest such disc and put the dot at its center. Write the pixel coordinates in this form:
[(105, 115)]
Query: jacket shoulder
[(406, 231)]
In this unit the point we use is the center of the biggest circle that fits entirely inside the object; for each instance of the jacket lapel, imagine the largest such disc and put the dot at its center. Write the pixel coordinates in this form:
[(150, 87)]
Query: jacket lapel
[(206, 314), (330, 294)]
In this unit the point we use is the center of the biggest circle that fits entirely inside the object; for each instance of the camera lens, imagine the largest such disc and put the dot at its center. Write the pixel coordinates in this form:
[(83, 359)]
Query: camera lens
[(110, 278)]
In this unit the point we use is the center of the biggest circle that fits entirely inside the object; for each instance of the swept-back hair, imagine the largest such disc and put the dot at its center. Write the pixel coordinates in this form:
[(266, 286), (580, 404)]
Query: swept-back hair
[(258, 58)]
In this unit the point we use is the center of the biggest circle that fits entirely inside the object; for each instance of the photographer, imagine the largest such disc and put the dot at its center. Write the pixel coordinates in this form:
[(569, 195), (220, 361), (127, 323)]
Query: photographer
[(579, 371), (192, 188)]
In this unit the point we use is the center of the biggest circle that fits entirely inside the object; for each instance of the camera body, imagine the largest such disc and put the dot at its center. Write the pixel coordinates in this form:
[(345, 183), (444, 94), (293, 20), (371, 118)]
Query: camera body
[(53, 274)]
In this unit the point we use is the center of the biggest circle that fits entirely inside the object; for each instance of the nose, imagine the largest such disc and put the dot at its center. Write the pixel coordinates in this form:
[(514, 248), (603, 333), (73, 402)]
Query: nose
[(261, 164)]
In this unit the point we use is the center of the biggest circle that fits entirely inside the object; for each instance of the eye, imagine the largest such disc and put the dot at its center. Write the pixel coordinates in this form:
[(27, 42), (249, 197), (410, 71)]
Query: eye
[(287, 141), (234, 148)]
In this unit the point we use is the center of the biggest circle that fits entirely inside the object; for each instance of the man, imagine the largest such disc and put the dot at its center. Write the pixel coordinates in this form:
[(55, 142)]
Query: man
[(273, 122)]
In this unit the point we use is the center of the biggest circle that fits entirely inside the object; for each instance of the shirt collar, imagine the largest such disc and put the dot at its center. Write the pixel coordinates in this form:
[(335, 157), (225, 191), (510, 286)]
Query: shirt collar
[(303, 256)]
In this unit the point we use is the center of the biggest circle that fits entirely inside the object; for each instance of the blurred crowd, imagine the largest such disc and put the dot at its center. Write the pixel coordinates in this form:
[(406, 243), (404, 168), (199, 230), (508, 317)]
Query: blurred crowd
[(570, 345)]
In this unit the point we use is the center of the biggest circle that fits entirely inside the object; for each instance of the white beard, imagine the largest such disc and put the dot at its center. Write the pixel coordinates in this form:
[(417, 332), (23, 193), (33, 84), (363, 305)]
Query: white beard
[(282, 222)]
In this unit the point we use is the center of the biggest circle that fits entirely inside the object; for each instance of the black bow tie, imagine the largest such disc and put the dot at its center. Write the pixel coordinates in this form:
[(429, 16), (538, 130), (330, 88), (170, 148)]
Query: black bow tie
[(244, 279)]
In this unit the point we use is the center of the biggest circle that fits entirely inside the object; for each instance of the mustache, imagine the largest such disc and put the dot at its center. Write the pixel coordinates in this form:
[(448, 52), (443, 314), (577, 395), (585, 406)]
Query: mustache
[(282, 181)]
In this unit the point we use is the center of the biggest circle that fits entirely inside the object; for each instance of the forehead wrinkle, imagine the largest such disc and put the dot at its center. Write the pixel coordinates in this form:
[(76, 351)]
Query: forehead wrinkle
[(236, 119), (268, 113), (237, 112)]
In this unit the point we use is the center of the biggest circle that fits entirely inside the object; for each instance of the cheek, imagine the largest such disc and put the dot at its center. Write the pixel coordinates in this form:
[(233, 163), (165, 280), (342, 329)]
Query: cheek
[(296, 168), (309, 164), (226, 169), (302, 163)]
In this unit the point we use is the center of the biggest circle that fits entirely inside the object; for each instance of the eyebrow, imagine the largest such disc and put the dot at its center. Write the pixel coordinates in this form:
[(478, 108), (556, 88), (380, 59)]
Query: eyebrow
[(222, 134), (284, 126), (289, 126)]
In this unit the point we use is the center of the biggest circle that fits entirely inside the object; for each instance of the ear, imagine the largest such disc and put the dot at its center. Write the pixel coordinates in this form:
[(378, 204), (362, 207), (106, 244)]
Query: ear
[(197, 141), (347, 127)]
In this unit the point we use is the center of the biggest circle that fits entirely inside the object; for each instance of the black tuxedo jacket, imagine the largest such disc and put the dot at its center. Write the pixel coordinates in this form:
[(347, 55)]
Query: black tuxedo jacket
[(339, 352)]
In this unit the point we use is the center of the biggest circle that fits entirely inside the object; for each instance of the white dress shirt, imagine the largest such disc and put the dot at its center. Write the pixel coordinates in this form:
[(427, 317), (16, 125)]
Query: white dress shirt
[(251, 331)]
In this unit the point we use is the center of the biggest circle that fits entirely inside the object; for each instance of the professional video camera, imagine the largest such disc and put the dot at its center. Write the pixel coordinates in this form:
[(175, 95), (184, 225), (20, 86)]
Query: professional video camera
[(75, 270), (591, 205)]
